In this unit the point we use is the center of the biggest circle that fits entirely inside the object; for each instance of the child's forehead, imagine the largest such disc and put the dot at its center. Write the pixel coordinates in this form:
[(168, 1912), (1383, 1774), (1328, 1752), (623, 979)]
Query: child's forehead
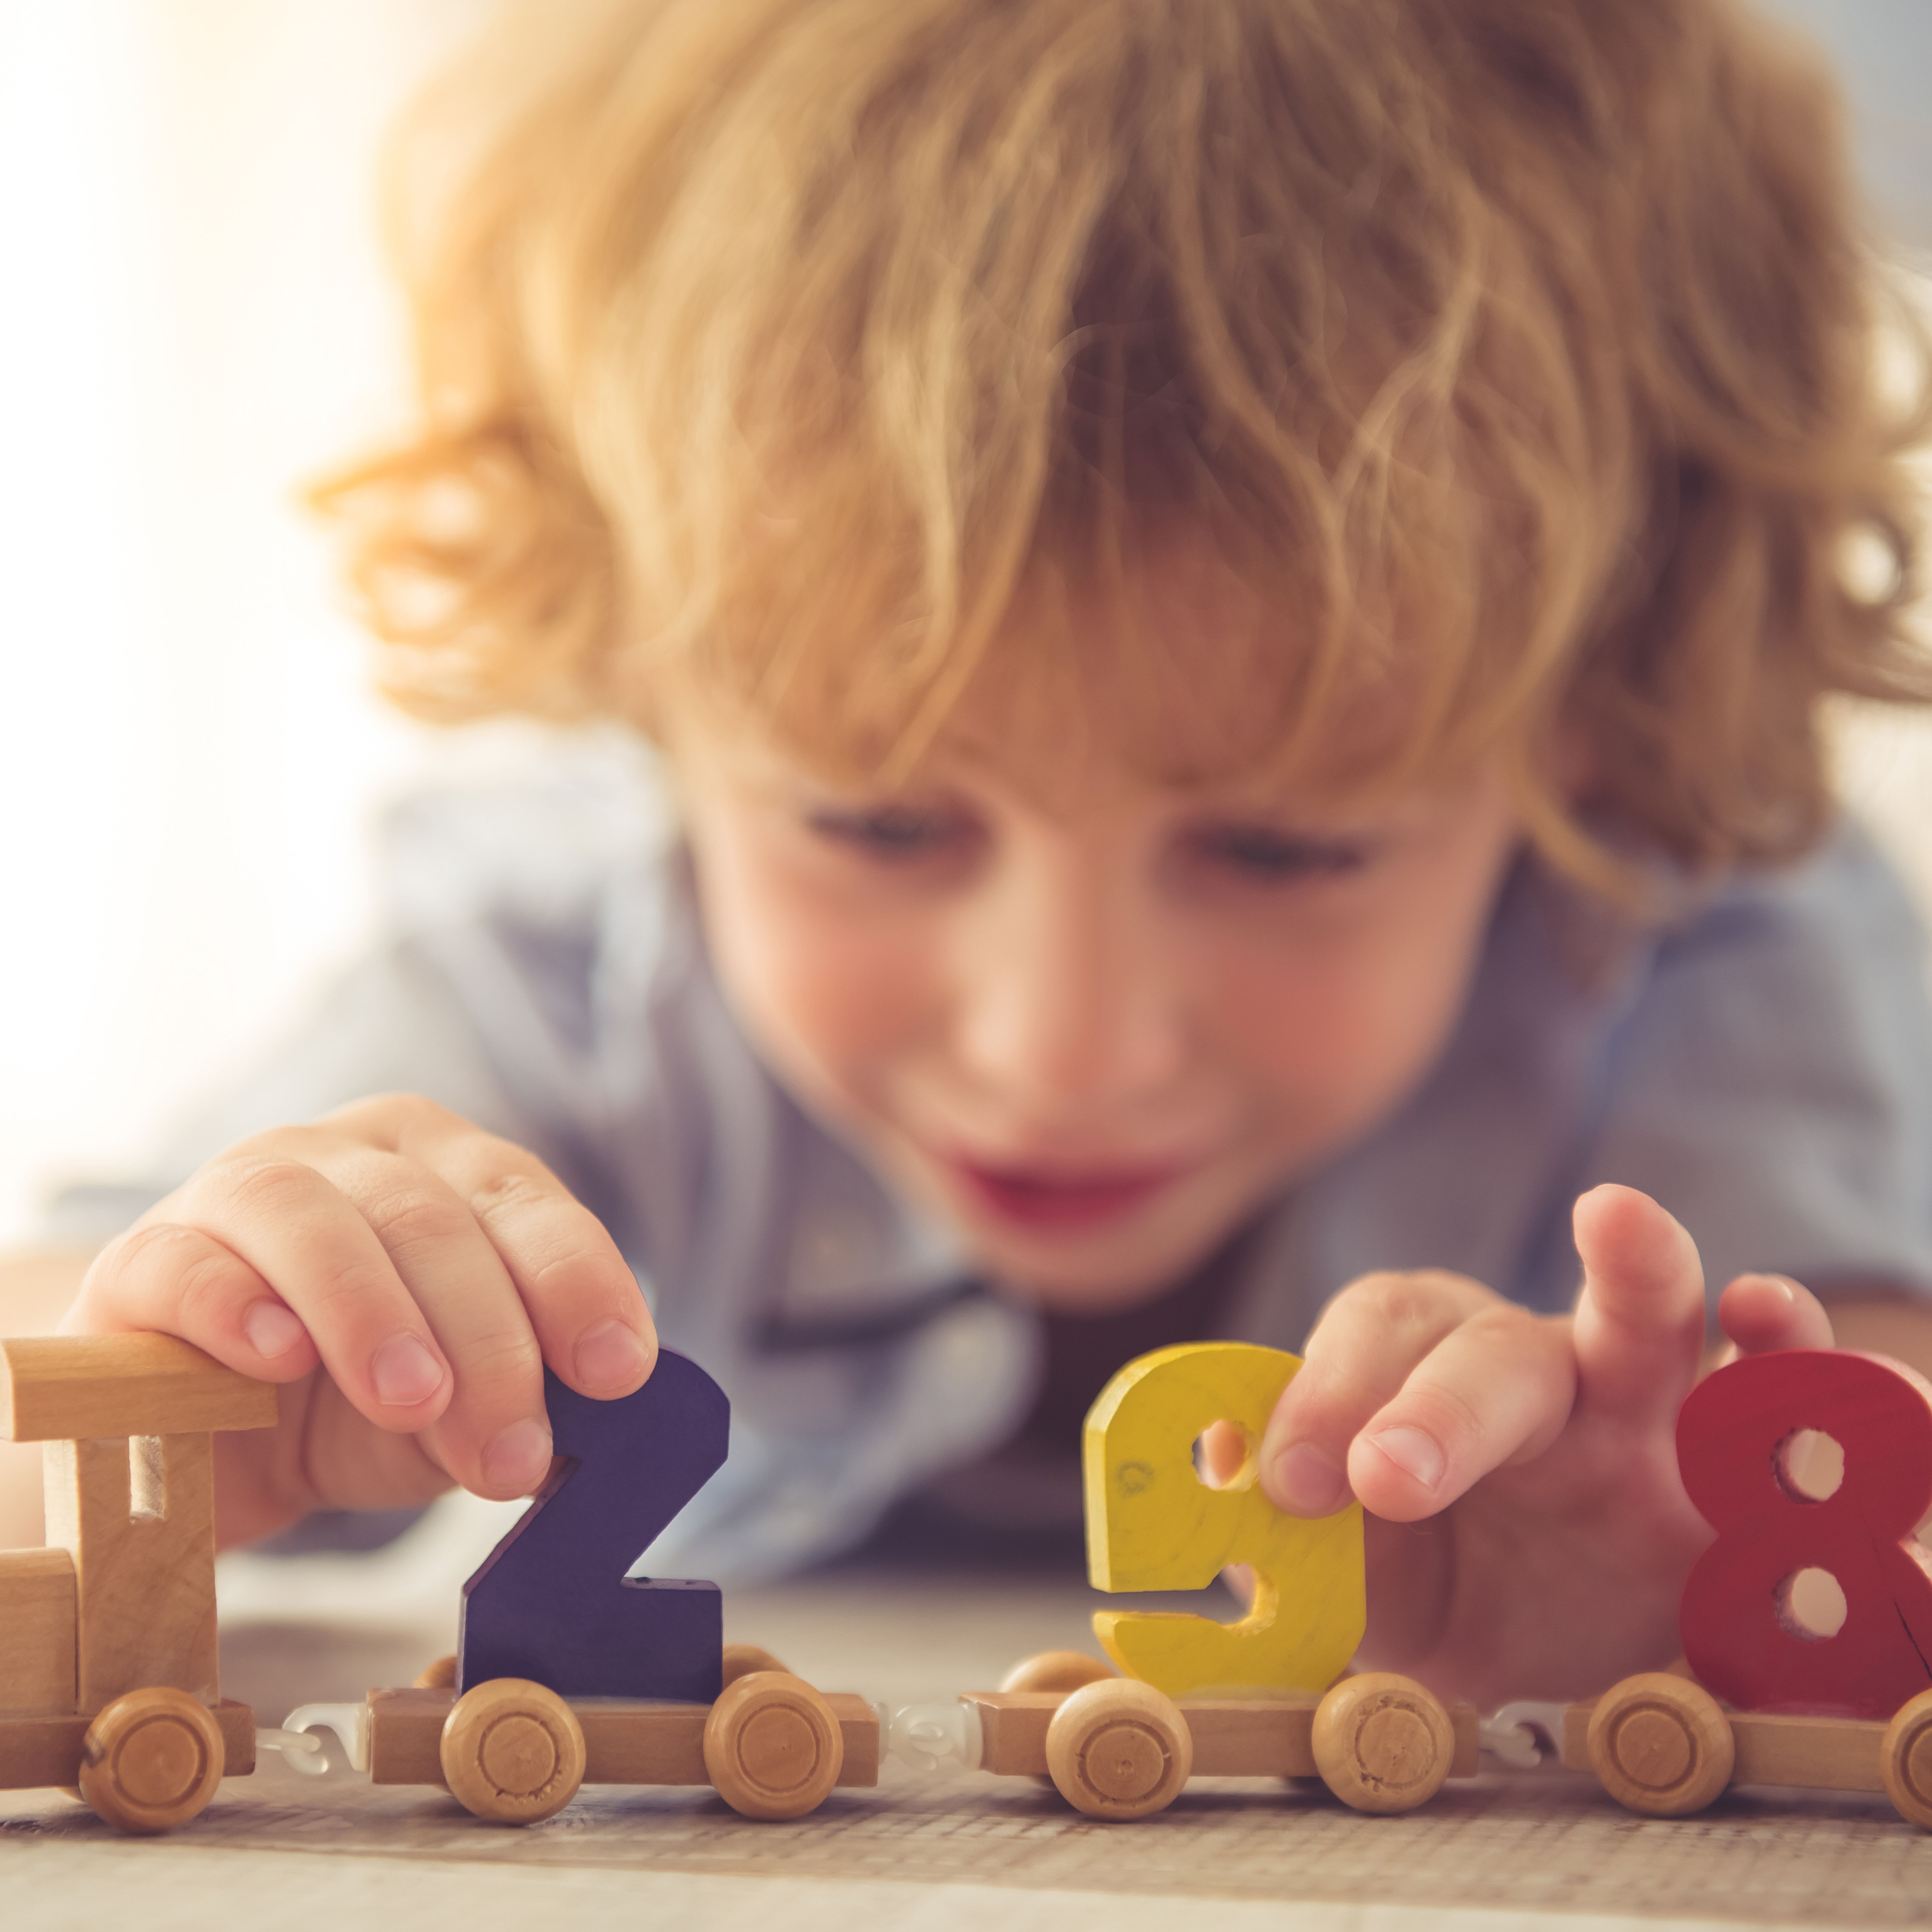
[(1175, 670)]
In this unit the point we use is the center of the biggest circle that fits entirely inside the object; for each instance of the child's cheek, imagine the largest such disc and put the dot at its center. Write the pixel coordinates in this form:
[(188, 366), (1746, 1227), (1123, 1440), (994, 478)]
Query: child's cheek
[(832, 994), (1338, 1033)]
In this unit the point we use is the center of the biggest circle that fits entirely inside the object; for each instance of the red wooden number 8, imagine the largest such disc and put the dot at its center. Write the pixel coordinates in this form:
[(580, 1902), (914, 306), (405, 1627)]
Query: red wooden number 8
[(1738, 1636)]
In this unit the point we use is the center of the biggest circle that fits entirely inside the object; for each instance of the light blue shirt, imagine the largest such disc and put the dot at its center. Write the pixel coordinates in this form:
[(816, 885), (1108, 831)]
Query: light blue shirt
[(1761, 1062)]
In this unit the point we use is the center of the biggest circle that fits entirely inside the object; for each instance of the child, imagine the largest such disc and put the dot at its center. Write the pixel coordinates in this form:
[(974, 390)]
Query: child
[(1235, 595)]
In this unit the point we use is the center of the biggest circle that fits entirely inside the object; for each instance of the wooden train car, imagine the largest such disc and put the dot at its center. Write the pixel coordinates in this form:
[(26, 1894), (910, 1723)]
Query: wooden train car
[(1663, 1745), (109, 1682)]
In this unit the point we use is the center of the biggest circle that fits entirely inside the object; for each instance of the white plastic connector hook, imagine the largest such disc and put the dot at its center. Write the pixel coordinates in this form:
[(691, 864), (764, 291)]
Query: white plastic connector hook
[(299, 1751), (931, 1736), (1520, 1733), (350, 1722)]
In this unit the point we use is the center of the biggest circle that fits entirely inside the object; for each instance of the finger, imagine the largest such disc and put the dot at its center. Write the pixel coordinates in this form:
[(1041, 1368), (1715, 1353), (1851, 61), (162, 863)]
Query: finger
[(493, 1437), (1369, 1340), (297, 1231), (1498, 1388), (161, 1276), (579, 1294), (1223, 1449), (1640, 1319), (1763, 1313)]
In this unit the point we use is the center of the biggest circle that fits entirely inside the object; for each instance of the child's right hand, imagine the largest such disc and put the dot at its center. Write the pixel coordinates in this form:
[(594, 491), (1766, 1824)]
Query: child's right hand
[(1529, 1534), (405, 1276)]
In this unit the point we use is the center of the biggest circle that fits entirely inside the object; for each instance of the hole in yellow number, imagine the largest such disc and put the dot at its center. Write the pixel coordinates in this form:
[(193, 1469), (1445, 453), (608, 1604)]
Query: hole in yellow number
[(1224, 1456), (1810, 1466), (1811, 1605)]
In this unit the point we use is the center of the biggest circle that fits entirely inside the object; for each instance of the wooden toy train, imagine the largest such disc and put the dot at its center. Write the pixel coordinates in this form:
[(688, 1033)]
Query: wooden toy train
[(572, 1672)]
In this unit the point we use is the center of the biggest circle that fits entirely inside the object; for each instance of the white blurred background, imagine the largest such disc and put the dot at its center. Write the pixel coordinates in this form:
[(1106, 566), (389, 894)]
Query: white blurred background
[(193, 319)]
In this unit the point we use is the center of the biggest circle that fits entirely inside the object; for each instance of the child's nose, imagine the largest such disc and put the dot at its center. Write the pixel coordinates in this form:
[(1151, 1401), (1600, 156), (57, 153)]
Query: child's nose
[(1066, 1000)]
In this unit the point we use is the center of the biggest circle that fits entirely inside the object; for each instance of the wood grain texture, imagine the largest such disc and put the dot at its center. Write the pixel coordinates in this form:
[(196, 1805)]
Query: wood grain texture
[(1817, 1753), (1383, 1742), (1012, 1730), (1233, 1737), (1824, 1754), (773, 1746), (57, 1388), (37, 1623), (1576, 1735), (1905, 1760), (1251, 1738), (1119, 1749), (46, 1751), (1152, 1524), (512, 1752), (138, 1520), (1661, 1745), (151, 1760), (626, 1742)]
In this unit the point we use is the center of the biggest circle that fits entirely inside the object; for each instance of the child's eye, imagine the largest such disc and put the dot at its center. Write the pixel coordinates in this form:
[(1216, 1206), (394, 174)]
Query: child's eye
[(1265, 854), (893, 832)]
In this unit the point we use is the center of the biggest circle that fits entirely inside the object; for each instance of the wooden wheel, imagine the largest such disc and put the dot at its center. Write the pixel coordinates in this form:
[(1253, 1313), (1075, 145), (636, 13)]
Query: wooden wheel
[(1660, 1745), (772, 1748), (512, 1751), (1905, 1760), (1119, 1749), (742, 1659), (440, 1675), (1382, 1742), (1057, 1670), (152, 1759)]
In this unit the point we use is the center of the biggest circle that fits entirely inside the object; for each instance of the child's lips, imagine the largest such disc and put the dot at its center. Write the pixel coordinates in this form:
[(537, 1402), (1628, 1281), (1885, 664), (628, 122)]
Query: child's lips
[(1044, 1202)]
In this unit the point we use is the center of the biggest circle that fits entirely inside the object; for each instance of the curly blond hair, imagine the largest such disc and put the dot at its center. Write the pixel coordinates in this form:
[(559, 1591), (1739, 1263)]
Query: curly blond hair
[(1526, 355)]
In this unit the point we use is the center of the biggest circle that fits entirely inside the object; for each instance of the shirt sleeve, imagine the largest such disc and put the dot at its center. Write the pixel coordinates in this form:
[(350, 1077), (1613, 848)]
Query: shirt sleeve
[(1771, 1083), (498, 912)]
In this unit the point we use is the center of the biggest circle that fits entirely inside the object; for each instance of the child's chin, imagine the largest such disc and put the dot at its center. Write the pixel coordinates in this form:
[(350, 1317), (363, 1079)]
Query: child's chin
[(1089, 1271)]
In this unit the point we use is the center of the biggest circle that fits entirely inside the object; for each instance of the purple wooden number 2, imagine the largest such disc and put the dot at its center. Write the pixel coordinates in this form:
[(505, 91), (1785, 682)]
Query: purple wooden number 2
[(553, 1602)]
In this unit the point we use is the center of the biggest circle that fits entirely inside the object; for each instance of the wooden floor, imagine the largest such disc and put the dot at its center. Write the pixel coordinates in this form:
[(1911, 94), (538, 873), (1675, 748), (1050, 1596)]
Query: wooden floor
[(927, 1854)]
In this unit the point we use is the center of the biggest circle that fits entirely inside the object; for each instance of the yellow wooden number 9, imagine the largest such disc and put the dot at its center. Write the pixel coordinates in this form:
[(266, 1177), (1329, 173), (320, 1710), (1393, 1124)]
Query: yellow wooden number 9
[(1152, 1524)]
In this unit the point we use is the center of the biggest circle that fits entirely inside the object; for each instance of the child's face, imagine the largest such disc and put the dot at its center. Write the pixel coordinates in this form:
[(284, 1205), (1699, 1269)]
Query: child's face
[(1090, 1020)]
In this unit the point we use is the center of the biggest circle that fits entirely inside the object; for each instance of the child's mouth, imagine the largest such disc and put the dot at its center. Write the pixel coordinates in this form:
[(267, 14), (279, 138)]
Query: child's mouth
[(1046, 1202)]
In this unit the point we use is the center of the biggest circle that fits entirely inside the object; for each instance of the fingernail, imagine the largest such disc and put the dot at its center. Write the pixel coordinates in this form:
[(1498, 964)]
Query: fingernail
[(404, 1373), (609, 1356), (516, 1458), (1413, 1453), (1308, 1479), (271, 1329)]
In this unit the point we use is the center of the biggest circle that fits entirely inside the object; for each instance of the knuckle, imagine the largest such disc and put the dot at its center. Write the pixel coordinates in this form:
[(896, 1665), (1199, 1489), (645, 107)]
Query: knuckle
[(502, 1368), (1400, 1301), (507, 1188), (208, 1282), (1451, 1417), (385, 1117), (264, 1186), (160, 1246), (582, 1276), (410, 1217), (349, 1286)]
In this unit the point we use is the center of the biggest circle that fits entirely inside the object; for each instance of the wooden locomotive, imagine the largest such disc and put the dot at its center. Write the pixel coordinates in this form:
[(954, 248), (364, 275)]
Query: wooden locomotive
[(109, 1682)]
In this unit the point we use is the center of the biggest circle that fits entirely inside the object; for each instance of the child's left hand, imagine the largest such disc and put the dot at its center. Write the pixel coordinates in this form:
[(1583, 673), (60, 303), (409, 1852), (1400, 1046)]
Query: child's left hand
[(1528, 1535)]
